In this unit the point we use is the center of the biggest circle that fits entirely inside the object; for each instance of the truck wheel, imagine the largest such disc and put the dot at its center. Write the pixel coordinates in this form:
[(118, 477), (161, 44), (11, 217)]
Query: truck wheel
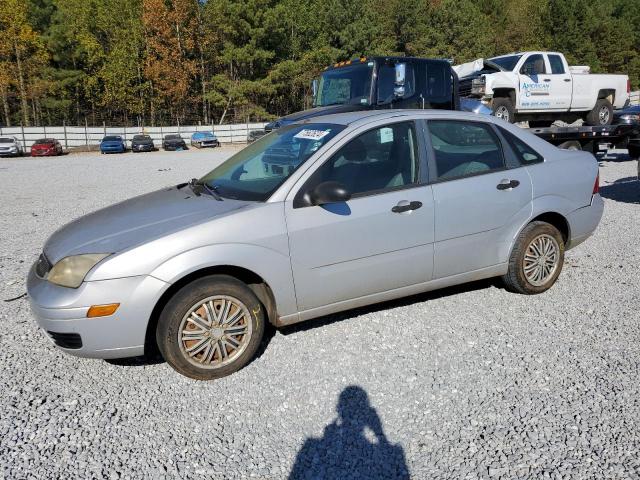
[(211, 328), (503, 108), (602, 113), (536, 259)]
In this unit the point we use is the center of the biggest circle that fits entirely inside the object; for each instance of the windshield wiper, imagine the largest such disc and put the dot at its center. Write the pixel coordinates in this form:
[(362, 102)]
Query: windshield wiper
[(197, 186)]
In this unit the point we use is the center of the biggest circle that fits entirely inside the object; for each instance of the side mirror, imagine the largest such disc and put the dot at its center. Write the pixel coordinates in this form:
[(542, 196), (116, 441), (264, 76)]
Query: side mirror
[(401, 73), (329, 192)]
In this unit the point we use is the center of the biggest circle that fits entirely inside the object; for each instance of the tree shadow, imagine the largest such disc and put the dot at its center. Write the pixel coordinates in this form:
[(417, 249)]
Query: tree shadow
[(353, 446), (626, 190), (400, 302)]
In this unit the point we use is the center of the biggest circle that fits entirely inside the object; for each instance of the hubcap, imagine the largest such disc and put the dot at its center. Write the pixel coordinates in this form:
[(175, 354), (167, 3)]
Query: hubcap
[(502, 112), (215, 331), (603, 115), (541, 260)]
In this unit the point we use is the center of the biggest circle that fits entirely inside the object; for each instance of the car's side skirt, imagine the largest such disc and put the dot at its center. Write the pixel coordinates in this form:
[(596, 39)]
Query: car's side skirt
[(488, 272)]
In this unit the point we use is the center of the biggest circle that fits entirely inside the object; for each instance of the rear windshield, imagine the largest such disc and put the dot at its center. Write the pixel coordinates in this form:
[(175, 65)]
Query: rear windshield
[(111, 139)]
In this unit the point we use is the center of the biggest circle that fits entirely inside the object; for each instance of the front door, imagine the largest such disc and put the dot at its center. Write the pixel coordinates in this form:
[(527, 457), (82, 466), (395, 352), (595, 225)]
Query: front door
[(535, 86), (379, 240)]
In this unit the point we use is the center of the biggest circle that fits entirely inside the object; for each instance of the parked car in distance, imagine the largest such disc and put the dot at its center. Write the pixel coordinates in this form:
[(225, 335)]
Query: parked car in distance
[(112, 144), (10, 147), (628, 116), (46, 147), (541, 87), (378, 205), (142, 143), (254, 135), (204, 139), (173, 142)]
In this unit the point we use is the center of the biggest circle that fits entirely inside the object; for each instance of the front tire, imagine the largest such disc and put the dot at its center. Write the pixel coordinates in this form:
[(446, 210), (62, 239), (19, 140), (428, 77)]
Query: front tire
[(503, 108), (602, 113), (536, 260), (211, 328)]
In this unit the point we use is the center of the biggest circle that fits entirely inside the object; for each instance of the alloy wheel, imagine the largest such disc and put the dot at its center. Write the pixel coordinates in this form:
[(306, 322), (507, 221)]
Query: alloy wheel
[(215, 331), (541, 260)]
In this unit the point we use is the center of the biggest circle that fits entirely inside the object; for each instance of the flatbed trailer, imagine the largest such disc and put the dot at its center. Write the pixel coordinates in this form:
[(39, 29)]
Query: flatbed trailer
[(593, 138)]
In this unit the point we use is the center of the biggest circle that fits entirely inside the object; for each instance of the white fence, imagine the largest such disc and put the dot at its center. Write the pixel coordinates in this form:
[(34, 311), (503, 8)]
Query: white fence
[(73, 137), (634, 97)]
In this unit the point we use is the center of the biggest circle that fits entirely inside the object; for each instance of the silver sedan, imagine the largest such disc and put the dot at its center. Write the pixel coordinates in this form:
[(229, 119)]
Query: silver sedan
[(317, 217)]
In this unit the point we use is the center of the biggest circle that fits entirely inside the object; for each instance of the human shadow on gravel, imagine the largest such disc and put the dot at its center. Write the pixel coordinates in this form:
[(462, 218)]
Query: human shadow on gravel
[(626, 190), (400, 302), (353, 446)]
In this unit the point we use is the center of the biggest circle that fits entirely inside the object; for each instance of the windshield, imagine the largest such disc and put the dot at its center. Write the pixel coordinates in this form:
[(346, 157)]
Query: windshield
[(111, 139), (43, 141), (142, 137), (508, 63), (342, 85), (173, 137), (256, 171), (6, 140)]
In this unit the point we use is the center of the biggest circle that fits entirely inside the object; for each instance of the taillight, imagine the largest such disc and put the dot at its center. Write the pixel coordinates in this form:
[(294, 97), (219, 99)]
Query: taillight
[(596, 186), (628, 86)]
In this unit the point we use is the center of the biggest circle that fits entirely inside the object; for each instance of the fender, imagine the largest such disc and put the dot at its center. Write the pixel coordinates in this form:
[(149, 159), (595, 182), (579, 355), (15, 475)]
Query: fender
[(272, 266), (539, 206)]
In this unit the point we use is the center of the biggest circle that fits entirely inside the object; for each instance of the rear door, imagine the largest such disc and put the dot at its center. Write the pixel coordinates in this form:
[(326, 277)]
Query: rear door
[(477, 194), (534, 84)]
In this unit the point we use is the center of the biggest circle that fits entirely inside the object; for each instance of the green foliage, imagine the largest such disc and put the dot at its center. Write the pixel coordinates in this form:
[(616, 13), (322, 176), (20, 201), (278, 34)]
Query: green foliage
[(162, 61)]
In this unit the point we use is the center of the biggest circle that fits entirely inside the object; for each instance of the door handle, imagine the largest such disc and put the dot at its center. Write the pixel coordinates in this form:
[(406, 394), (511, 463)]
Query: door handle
[(404, 206), (547, 79), (507, 184), (567, 79)]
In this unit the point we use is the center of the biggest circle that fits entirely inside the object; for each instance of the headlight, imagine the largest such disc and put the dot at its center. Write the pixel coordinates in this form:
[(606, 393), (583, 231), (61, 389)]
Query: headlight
[(478, 86), (70, 271), (630, 118)]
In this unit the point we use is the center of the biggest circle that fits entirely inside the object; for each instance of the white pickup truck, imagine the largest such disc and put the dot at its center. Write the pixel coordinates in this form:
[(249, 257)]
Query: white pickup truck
[(541, 87)]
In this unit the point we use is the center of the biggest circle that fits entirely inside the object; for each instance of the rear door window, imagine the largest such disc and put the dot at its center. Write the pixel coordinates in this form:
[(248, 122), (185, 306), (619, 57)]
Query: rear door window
[(557, 67), (463, 148), (526, 155)]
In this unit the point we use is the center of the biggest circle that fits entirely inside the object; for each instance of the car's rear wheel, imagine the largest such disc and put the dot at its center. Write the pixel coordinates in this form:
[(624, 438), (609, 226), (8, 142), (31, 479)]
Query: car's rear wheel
[(211, 328), (536, 260), (602, 113)]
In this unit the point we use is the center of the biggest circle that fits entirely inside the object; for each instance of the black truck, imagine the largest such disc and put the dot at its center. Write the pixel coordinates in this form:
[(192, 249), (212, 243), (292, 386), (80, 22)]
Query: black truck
[(369, 83)]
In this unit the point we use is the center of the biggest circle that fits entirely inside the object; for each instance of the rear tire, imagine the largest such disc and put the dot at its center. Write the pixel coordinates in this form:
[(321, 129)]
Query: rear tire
[(536, 260), (503, 108), (211, 328), (602, 113)]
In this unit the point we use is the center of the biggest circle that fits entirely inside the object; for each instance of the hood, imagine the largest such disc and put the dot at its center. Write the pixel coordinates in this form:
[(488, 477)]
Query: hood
[(476, 68), (142, 141), (135, 221), (40, 146), (314, 112), (173, 140)]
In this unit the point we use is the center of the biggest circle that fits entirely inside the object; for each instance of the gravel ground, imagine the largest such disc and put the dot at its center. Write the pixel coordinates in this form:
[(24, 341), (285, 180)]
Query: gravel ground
[(469, 382)]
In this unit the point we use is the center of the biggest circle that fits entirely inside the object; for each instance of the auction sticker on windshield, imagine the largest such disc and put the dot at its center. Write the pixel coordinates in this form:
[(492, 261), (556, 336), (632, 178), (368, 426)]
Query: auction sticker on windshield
[(311, 134)]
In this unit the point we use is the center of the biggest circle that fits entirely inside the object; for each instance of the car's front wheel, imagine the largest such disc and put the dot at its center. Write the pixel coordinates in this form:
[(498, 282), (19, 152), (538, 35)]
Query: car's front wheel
[(211, 328), (536, 260)]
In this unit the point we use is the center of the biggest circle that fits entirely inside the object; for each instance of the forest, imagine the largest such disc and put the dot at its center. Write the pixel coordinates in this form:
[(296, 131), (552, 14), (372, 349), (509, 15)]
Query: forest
[(159, 62)]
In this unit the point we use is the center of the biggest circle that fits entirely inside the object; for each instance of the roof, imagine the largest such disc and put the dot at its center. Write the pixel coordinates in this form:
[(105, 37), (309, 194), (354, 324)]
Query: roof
[(363, 117)]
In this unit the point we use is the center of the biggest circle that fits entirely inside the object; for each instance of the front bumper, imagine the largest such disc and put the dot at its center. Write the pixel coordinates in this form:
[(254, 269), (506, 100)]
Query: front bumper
[(43, 153), (584, 221), (142, 148), (63, 312)]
